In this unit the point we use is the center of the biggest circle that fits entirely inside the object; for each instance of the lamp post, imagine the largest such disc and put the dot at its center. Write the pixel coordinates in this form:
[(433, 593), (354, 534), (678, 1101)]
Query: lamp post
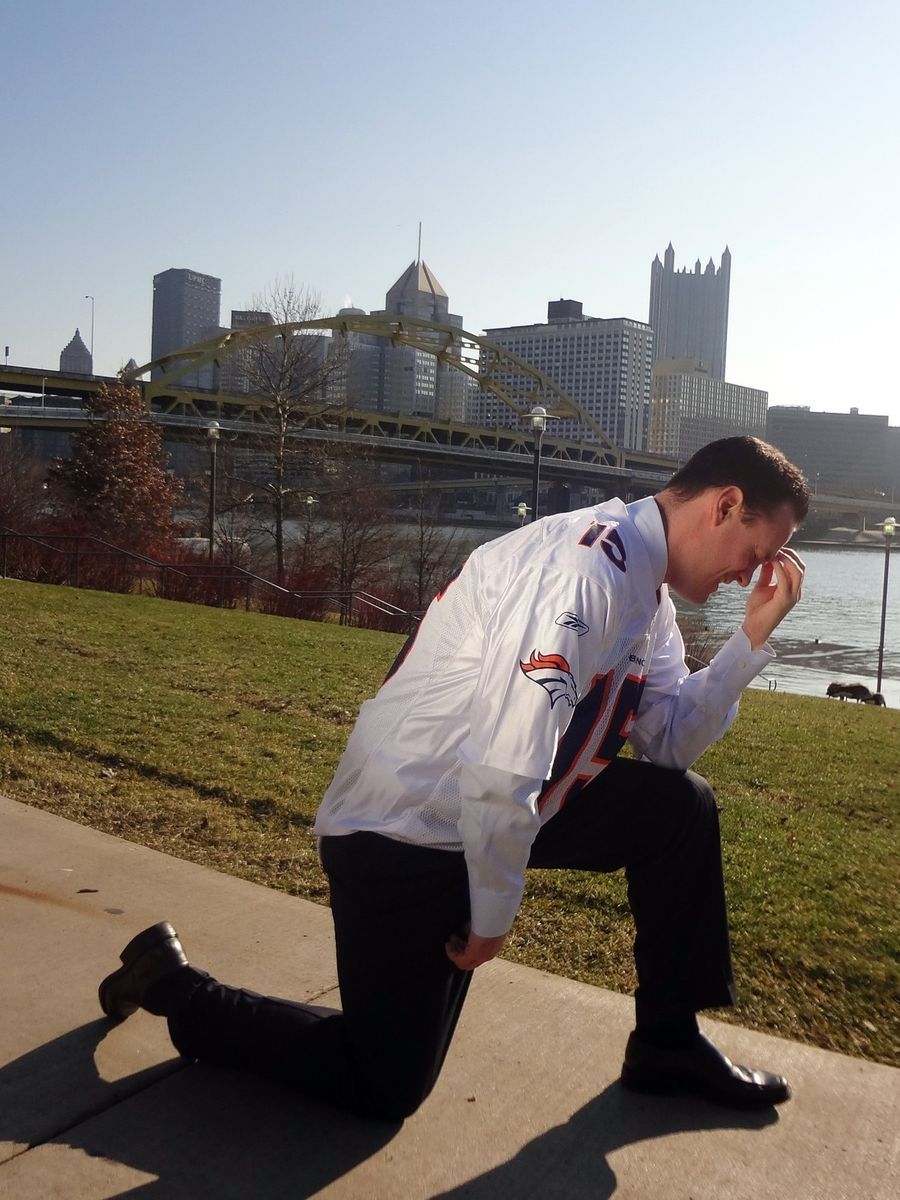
[(538, 419), (212, 433), (888, 528), (309, 504), (91, 298)]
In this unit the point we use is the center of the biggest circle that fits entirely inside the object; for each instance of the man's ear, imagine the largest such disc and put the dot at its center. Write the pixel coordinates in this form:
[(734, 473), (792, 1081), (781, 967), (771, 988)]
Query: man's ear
[(728, 502)]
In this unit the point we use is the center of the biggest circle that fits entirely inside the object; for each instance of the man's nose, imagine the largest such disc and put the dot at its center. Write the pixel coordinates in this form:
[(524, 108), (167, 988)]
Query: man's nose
[(744, 577)]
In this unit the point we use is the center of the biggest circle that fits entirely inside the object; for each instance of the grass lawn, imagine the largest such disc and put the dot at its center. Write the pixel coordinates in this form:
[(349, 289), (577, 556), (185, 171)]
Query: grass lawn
[(211, 735)]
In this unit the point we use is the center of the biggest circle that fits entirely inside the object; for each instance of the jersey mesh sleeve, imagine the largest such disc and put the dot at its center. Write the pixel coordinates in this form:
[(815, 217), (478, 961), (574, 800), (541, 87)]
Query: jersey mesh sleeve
[(534, 669)]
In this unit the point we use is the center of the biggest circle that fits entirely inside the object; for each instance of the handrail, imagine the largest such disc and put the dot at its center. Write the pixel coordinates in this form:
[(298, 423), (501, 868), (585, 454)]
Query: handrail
[(5, 531), (223, 573)]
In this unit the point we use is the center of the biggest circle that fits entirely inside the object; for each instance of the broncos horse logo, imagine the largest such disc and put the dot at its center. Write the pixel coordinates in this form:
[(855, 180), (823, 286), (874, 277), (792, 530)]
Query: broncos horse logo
[(554, 675)]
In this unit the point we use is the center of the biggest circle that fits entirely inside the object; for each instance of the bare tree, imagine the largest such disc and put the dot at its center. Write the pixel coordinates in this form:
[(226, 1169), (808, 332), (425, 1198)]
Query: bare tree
[(22, 484), (289, 370), (236, 519), (432, 550), (360, 538)]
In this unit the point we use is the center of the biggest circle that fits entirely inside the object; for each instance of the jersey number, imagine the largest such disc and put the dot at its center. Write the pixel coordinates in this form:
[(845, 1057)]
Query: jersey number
[(609, 540), (597, 732)]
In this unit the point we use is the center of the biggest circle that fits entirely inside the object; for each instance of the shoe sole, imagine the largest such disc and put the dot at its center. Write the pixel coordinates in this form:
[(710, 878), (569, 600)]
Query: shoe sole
[(161, 932), (670, 1083)]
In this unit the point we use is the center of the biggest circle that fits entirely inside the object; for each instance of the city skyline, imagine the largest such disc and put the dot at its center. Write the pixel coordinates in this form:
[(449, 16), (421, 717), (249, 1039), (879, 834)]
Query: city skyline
[(546, 159)]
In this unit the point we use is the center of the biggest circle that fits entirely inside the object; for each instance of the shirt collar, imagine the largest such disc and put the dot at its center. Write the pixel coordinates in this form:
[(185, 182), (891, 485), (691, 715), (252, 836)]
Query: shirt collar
[(647, 519)]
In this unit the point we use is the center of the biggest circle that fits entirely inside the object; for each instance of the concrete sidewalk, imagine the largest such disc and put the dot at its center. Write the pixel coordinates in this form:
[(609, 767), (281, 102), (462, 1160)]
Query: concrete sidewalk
[(528, 1105)]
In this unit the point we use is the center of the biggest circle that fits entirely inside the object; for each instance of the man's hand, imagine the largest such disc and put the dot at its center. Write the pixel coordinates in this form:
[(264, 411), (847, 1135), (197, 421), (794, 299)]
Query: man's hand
[(777, 591), (468, 951)]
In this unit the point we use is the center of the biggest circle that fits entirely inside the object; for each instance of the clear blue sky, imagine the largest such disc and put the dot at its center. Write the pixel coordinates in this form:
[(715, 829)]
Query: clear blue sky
[(549, 150)]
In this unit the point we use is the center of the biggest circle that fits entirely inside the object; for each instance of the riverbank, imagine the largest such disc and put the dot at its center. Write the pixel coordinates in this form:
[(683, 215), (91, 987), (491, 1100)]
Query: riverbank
[(210, 735), (845, 539)]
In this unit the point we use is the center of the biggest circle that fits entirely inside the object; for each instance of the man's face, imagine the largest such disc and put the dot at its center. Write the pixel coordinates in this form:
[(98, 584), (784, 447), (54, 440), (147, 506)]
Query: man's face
[(730, 549)]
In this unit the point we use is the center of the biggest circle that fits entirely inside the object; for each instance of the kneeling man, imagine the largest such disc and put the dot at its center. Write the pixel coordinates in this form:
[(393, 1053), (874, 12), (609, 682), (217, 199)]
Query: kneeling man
[(492, 748)]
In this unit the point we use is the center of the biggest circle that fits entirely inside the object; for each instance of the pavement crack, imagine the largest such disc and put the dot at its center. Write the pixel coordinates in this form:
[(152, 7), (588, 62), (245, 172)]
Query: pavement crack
[(97, 1110)]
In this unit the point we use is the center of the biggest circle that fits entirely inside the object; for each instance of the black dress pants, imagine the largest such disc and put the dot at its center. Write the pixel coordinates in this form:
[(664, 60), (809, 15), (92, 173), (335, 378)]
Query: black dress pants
[(662, 827), (395, 905)]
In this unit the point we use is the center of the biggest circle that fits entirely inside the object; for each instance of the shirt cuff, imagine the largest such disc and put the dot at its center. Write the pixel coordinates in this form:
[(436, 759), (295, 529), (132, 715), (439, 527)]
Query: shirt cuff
[(492, 914), (738, 663)]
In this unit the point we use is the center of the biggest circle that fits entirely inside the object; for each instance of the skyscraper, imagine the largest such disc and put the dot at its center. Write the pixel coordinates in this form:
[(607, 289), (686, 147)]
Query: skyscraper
[(852, 452), (688, 409), (76, 358), (411, 380), (417, 293), (185, 311), (235, 371), (689, 311), (603, 364)]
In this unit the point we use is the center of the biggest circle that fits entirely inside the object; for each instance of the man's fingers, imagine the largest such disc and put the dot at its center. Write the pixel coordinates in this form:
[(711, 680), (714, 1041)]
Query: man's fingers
[(791, 559), (472, 951), (791, 570), (776, 593), (461, 954), (461, 957), (766, 571), (456, 946)]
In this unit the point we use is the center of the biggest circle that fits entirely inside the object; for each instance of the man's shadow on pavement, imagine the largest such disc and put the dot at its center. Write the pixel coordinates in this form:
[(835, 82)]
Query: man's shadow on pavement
[(570, 1161), (199, 1130)]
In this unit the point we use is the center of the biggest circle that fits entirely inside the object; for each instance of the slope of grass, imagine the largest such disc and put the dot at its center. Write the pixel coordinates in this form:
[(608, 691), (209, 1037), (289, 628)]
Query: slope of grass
[(211, 735)]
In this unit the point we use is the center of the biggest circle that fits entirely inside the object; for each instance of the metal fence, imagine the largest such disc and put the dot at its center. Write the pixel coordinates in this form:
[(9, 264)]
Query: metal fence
[(85, 561)]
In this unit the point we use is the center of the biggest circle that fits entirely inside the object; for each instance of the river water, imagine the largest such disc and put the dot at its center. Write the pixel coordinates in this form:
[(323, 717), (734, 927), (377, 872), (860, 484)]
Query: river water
[(833, 632)]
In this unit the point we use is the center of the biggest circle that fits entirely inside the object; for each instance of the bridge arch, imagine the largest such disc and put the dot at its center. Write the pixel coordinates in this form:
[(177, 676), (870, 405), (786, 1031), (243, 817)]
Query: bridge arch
[(514, 382)]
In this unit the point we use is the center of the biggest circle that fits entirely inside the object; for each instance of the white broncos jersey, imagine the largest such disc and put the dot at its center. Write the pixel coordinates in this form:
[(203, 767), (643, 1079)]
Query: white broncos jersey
[(552, 646)]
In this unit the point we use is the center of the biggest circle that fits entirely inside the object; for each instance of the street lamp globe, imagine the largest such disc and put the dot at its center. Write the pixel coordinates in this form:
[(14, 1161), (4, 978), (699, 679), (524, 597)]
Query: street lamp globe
[(538, 418)]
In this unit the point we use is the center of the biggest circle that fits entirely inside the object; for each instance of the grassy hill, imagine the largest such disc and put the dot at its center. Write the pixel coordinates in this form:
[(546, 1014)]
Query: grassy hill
[(211, 735)]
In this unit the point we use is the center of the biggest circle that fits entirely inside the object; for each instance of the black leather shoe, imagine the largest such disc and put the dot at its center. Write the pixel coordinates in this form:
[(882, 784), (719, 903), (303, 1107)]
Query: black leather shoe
[(146, 959), (702, 1070)]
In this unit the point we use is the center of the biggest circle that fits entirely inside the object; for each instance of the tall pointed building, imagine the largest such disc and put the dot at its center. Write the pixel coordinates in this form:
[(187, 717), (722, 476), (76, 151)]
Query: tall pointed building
[(689, 311), (417, 293), (76, 358), (691, 404), (401, 378)]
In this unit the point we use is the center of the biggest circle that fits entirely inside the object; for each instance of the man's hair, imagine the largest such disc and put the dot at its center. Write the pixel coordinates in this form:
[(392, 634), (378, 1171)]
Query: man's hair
[(766, 477)]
